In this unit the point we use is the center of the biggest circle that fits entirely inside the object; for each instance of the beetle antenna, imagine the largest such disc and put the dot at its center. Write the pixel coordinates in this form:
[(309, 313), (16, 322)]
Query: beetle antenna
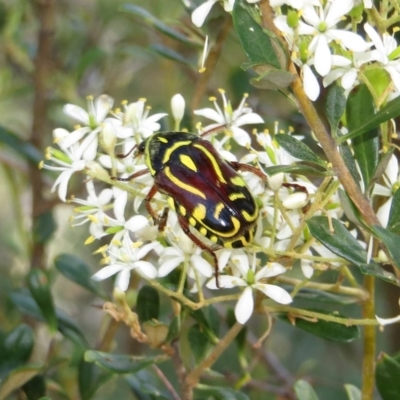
[(214, 130), (127, 154)]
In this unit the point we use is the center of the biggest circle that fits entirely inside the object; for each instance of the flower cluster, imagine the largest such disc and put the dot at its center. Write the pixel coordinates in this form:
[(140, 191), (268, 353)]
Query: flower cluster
[(320, 37), (135, 243)]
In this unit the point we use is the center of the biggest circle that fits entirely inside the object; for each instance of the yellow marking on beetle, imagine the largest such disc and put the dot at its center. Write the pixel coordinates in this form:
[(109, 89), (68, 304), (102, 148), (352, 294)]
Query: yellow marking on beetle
[(171, 149), (238, 181), (232, 233), (192, 221), (203, 231), (182, 210), (214, 239), (183, 185), (235, 196), (214, 162), (171, 203), (218, 208), (162, 139), (187, 162), (199, 212), (248, 217)]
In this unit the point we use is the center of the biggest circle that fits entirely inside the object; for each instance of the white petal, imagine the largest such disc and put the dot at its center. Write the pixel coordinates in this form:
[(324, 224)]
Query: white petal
[(307, 269), (122, 279), (270, 270), (274, 292), (310, 83), (348, 79), (202, 265), (295, 201), (103, 105), (77, 113), (275, 181), (374, 36), (245, 305), (395, 75), (169, 265), (310, 16), (136, 223), (336, 10), (387, 321), (350, 40), (322, 56), (384, 212), (226, 281), (107, 271), (121, 198), (210, 113), (392, 170), (146, 268), (248, 118), (241, 136), (63, 180), (200, 13)]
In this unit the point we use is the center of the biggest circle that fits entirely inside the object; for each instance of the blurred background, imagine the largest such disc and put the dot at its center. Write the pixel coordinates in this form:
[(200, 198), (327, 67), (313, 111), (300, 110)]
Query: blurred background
[(58, 52)]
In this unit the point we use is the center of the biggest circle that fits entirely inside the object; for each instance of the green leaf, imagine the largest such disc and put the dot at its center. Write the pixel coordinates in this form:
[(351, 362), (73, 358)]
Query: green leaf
[(18, 378), (206, 319), (320, 296), (304, 390), (353, 392), (340, 241), (218, 393), (349, 208), (296, 169), (348, 158), (157, 24), (269, 77), (257, 44), (35, 388), (391, 110), (44, 226), (335, 106), (148, 304), (15, 348), (379, 272), (26, 149), (387, 375), (298, 149), (78, 271), (91, 378), (378, 81), (391, 242), (24, 301), (145, 387), (174, 329), (39, 287), (360, 106), (325, 329), (119, 364), (394, 215), (198, 342), (170, 54)]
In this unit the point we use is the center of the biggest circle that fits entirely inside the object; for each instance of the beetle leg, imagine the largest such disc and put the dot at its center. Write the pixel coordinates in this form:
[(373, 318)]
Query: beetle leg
[(127, 154), (149, 208), (249, 168), (162, 221), (133, 176), (244, 167), (185, 227)]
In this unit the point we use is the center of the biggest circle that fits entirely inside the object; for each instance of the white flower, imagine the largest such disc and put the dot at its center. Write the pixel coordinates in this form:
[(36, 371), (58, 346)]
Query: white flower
[(321, 22), (199, 15), (67, 163), (383, 50), (125, 259), (253, 281), (391, 179), (231, 119), (178, 108), (297, 4), (137, 117)]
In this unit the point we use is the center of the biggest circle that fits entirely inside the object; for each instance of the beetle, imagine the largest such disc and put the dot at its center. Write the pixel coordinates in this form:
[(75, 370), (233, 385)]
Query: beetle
[(206, 191)]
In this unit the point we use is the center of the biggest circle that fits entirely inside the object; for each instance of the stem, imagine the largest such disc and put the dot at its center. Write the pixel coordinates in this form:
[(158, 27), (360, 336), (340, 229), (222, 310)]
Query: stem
[(369, 342), (194, 376), (42, 72)]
